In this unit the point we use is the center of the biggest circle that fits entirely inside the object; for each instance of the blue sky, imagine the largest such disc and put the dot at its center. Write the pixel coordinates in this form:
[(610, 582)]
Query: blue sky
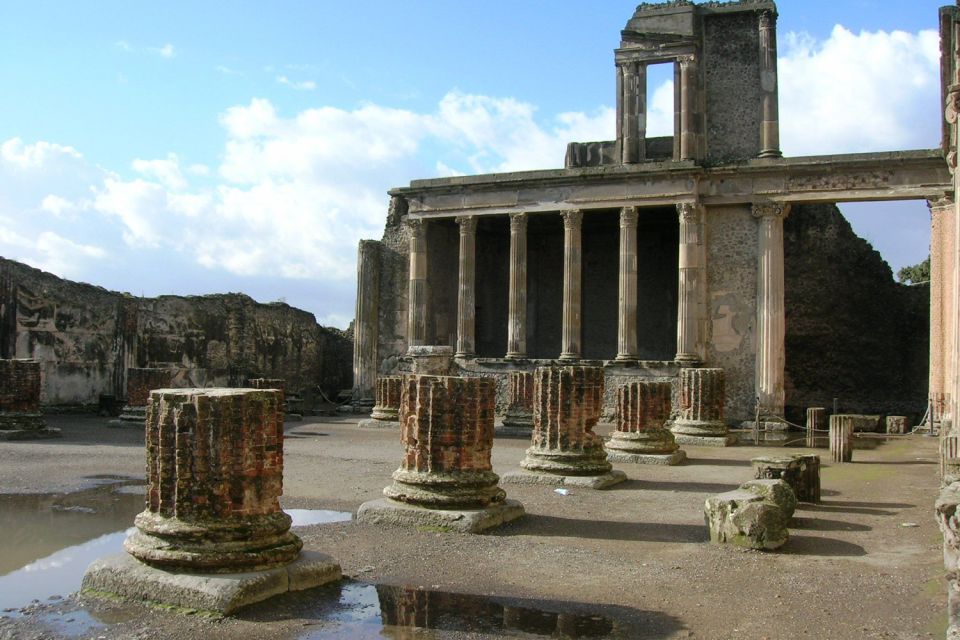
[(189, 148)]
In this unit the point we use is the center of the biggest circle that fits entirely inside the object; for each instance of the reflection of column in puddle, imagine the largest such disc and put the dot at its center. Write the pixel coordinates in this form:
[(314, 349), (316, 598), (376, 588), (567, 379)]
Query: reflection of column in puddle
[(574, 626), (408, 608), (529, 620)]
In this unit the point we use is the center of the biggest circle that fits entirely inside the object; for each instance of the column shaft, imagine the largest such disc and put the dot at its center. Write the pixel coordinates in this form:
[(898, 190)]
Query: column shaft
[(417, 302), (770, 308), (690, 275), (517, 312), (632, 85), (366, 327), (466, 289), (572, 293), (770, 127), (627, 299), (688, 108)]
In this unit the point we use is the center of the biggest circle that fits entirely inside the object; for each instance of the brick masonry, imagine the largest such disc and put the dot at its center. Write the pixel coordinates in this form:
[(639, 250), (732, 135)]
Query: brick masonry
[(141, 381), (19, 386)]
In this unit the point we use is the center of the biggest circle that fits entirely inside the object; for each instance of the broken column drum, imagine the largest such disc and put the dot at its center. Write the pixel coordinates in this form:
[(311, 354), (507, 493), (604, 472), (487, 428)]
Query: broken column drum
[(387, 407), (519, 414), (643, 408), (215, 476), (447, 435), (841, 437), (568, 401), (700, 419)]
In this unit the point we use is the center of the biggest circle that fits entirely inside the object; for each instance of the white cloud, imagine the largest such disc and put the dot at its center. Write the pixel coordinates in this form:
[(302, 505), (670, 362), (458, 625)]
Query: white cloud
[(32, 156), (871, 91), (227, 71), (166, 171), (166, 51), (56, 205), (304, 85)]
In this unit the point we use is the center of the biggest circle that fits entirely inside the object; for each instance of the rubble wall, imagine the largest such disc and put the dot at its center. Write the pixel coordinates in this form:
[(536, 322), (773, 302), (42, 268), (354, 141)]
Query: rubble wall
[(86, 337)]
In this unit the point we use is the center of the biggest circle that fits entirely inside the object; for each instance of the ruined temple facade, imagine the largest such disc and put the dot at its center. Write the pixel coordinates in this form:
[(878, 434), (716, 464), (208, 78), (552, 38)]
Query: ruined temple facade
[(642, 255)]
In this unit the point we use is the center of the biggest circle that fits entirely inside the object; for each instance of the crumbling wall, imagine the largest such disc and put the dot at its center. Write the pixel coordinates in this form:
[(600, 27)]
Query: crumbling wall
[(852, 333), (86, 337)]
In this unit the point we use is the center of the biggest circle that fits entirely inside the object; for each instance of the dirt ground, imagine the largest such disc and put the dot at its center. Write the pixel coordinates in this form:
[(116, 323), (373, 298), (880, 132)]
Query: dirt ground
[(636, 554)]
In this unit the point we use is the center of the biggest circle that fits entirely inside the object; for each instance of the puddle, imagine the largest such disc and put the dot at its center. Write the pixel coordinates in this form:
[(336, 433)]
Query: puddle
[(796, 439), (360, 611), (51, 539)]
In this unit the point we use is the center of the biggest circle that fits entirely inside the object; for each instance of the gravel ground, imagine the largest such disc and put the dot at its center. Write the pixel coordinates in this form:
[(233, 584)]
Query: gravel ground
[(636, 554)]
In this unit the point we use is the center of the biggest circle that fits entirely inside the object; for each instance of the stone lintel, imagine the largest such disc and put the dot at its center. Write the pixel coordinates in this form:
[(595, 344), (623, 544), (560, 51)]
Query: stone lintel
[(127, 578), (896, 175), (391, 512), (601, 481)]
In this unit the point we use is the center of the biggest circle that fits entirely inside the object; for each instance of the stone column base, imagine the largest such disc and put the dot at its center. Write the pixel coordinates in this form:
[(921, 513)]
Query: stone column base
[(587, 482), (130, 417), (374, 423), (671, 459), (706, 441), (392, 512), (125, 577)]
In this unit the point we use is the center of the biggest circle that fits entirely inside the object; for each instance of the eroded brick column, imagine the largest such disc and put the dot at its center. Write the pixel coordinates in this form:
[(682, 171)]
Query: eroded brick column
[(519, 414), (388, 398), (215, 475), (20, 398), (567, 404), (701, 412), (447, 434), (643, 408)]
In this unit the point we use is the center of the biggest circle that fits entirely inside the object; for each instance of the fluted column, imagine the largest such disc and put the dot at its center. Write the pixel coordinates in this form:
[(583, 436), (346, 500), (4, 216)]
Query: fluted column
[(688, 107), (770, 126), (365, 328), (572, 293), (517, 313), (690, 272), (942, 254), (466, 290), (632, 111), (417, 302), (952, 116), (627, 307), (770, 309)]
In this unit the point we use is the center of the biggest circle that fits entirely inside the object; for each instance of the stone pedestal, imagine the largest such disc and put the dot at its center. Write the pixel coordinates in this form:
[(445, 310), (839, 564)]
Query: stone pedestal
[(386, 412), (445, 478), (700, 420), (140, 381), (432, 360), (841, 437), (898, 425), (215, 475), (746, 519), (20, 417), (817, 425), (808, 483), (565, 450), (643, 409), (518, 420), (776, 491)]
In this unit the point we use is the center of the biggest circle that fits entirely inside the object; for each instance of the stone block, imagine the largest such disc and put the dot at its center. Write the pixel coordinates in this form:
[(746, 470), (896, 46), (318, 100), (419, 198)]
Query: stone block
[(745, 519), (786, 468), (898, 425), (807, 486), (776, 491), (391, 512), (431, 360)]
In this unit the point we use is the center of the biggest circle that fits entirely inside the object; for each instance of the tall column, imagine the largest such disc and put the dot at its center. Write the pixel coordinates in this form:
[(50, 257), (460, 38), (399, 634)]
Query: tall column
[(517, 312), (572, 274), (770, 127), (942, 255), (466, 290), (690, 272), (627, 309), (365, 327), (417, 302), (688, 107), (952, 116), (770, 309), (632, 110)]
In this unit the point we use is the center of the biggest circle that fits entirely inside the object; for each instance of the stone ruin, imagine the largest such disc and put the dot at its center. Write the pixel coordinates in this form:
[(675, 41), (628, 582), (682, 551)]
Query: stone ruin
[(386, 411), (20, 417), (841, 437), (564, 449), (446, 478), (518, 418), (140, 382), (641, 436), (700, 419), (215, 476)]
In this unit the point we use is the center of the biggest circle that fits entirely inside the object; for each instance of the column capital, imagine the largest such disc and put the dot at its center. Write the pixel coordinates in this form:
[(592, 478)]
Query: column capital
[(940, 201), (629, 216), (468, 224), (572, 217), (770, 209), (768, 19), (686, 60), (689, 211), (415, 225), (518, 221)]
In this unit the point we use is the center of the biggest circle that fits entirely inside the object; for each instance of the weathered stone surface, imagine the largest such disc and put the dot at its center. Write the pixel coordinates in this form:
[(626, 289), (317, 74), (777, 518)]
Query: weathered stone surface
[(20, 417), (643, 409), (745, 519), (949, 521), (786, 468), (898, 425), (432, 360), (391, 512), (776, 491), (518, 419), (807, 487), (140, 381), (215, 475), (122, 575), (567, 404), (387, 407), (268, 383), (841, 437), (701, 408), (817, 425)]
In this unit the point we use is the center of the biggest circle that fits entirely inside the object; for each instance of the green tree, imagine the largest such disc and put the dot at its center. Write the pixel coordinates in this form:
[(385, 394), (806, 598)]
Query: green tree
[(915, 274)]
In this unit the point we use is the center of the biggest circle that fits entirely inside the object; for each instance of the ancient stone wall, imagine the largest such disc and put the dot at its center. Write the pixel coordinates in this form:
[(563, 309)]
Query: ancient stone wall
[(19, 386), (86, 338), (852, 333), (394, 274)]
